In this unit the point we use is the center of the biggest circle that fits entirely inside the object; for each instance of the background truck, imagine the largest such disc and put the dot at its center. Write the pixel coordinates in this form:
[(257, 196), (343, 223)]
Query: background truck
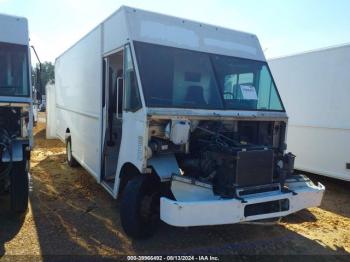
[(316, 91), (16, 111), (181, 119)]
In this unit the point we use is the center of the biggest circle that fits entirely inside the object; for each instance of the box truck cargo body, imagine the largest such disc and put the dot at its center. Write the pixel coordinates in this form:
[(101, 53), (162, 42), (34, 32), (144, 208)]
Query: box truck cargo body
[(179, 118), (316, 91), (16, 111)]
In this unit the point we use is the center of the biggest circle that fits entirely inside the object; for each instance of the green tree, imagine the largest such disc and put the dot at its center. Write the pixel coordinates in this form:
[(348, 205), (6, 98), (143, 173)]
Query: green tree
[(47, 75)]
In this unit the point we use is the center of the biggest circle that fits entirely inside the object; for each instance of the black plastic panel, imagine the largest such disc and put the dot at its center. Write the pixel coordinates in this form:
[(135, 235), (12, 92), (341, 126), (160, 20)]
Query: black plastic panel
[(254, 168), (266, 207)]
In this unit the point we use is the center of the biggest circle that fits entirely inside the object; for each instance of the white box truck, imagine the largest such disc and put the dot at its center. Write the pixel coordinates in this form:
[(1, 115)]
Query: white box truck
[(179, 118), (316, 91), (16, 111)]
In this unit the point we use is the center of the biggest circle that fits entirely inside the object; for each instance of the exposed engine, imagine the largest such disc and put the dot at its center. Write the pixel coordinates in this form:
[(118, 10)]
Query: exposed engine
[(13, 122), (225, 154), (10, 119)]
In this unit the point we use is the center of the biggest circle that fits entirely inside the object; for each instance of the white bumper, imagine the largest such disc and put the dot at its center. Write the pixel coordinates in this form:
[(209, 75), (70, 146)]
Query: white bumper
[(229, 211)]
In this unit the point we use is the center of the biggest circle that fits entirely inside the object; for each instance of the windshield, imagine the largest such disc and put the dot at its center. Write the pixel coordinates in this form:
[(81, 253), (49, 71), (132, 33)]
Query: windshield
[(173, 77), (14, 79)]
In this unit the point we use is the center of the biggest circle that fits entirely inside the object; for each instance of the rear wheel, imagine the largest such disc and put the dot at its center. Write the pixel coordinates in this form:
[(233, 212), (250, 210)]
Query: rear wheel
[(19, 188), (140, 206), (70, 159)]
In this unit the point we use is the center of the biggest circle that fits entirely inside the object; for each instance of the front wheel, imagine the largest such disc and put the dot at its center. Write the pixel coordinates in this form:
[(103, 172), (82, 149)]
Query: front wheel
[(19, 188), (140, 206)]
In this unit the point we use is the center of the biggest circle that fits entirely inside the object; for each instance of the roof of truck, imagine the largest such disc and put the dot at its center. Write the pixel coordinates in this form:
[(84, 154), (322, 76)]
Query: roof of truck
[(124, 7), (151, 27), (12, 16), (317, 50), (13, 29)]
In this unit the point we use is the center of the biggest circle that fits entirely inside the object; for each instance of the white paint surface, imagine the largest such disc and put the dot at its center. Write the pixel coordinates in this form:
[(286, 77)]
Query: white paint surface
[(315, 89), (13, 30), (229, 211)]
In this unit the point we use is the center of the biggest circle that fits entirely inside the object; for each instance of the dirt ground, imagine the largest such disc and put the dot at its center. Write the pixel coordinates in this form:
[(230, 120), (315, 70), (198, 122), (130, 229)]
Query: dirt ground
[(70, 214)]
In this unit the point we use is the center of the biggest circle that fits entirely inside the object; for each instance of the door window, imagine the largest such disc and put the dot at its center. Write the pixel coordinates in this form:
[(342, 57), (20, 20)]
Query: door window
[(132, 95)]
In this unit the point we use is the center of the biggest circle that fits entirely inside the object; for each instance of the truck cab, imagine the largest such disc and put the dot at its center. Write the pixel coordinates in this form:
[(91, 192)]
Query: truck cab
[(16, 113)]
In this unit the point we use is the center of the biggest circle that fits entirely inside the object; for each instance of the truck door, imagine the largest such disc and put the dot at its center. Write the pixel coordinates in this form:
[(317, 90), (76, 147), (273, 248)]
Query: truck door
[(113, 114)]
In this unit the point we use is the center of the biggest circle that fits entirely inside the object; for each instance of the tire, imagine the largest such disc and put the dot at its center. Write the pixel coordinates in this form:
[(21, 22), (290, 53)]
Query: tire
[(140, 203), (70, 159), (19, 188), (34, 122)]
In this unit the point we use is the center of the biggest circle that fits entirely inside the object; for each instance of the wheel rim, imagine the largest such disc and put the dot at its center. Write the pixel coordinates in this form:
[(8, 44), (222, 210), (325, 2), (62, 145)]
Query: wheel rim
[(69, 152)]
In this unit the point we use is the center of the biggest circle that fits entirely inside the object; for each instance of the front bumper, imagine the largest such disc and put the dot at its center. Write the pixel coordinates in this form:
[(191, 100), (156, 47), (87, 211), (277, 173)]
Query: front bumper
[(303, 194)]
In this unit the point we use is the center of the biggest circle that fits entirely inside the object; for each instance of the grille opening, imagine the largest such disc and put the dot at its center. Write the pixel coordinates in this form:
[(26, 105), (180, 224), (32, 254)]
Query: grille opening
[(266, 207)]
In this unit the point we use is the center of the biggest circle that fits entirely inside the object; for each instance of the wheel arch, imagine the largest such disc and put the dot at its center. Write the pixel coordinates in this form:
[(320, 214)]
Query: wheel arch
[(67, 134), (129, 171)]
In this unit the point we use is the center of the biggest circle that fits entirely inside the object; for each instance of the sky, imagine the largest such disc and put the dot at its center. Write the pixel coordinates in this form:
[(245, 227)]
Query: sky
[(283, 26)]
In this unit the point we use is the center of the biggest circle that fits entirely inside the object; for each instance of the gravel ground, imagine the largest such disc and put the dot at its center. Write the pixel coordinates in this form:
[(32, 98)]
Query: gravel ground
[(70, 214)]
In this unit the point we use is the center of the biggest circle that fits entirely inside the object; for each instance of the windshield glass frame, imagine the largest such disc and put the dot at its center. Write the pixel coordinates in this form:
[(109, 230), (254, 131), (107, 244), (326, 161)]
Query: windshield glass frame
[(144, 81), (22, 50)]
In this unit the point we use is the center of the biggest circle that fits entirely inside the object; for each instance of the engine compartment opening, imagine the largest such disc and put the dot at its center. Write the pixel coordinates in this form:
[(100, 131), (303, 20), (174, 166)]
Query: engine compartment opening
[(226, 154)]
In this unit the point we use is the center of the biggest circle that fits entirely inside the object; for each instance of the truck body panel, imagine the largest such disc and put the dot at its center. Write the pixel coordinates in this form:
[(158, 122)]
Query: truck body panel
[(78, 101), (314, 86)]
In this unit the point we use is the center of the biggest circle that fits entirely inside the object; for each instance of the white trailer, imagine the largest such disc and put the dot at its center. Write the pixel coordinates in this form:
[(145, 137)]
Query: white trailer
[(316, 91), (180, 118), (16, 111)]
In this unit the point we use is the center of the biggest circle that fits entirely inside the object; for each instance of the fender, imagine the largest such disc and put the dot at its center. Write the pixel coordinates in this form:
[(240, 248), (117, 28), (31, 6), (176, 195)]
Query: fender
[(165, 166)]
